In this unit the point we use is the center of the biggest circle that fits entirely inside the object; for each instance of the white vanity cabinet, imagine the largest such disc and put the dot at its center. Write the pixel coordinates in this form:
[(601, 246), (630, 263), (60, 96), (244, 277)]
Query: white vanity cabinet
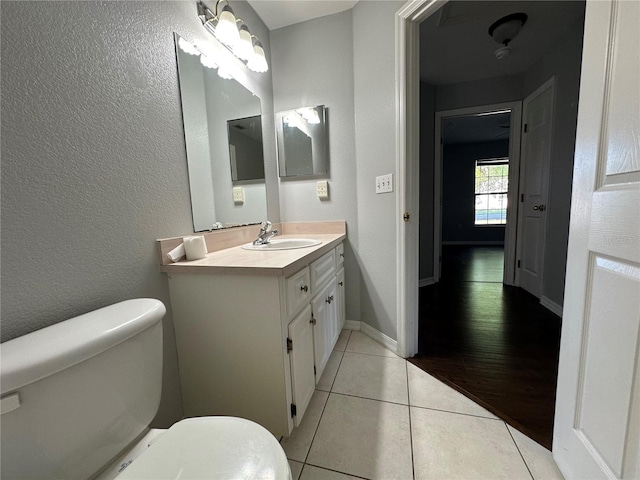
[(255, 345)]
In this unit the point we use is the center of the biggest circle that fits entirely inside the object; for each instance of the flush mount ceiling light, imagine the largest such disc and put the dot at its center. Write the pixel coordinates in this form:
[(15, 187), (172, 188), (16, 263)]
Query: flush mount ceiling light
[(233, 33), (506, 29)]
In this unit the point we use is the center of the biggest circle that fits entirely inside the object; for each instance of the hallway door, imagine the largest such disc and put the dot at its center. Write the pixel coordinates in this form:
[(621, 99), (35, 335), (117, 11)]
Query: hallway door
[(534, 186), (597, 419)]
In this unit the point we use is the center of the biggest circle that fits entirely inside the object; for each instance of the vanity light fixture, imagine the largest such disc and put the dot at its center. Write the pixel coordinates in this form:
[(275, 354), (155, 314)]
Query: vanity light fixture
[(234, 34), (504, 30)]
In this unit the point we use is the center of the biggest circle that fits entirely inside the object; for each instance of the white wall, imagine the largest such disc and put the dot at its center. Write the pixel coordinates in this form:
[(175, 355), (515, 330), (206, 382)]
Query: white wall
[(375, 135), (93, 159), (313, 65)]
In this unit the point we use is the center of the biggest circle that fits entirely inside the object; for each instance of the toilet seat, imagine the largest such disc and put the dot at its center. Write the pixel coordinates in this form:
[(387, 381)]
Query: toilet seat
[(211, 448)]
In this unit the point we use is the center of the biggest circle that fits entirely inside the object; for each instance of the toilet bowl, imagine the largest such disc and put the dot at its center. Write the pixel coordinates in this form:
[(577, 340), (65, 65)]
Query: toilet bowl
[(77, 399)]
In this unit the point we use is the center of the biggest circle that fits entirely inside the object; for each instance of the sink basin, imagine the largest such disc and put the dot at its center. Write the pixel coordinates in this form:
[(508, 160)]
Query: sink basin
[(283, 244)]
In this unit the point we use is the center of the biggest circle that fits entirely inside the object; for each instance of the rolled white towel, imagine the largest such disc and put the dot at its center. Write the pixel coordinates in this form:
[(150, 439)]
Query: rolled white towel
[(177, 253), (195, 247)]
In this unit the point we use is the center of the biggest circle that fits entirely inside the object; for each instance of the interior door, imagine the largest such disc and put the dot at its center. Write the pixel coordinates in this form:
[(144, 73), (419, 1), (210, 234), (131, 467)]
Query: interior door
[(302, 375), (597, 422), (536, 156)]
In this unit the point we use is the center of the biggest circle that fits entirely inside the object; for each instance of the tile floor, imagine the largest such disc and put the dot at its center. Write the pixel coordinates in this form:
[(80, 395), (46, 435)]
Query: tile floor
[(376, 416)]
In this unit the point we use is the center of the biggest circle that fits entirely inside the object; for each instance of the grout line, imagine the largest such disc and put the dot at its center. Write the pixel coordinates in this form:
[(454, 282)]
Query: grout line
[(413, 468), (336, 471), (367, 398), (316, 429), (518, 448), (375, 354), (457, 413)]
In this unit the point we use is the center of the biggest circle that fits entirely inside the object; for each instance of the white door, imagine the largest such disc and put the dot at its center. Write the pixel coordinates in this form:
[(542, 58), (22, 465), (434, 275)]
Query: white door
[(597, 422), (302, 375), (536, 155)]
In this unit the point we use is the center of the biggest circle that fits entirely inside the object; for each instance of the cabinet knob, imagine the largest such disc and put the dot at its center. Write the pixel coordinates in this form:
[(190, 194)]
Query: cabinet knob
[(341, 283), (342, 255), (304, 288)]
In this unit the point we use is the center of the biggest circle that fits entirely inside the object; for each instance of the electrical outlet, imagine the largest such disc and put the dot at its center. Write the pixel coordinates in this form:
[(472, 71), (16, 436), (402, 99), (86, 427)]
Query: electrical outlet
[(384, 183), (322, 189), (238, 195)]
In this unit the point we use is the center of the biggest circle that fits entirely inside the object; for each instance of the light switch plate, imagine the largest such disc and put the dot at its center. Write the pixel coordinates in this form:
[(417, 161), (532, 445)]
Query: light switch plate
[(238, 195), (322, 189), (384, 183)]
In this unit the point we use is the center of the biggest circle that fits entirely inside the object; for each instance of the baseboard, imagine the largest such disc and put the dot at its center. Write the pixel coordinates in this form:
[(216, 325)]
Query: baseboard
[(479, 242), (352, 325), (424, 282), (379, 337), (551, 305)]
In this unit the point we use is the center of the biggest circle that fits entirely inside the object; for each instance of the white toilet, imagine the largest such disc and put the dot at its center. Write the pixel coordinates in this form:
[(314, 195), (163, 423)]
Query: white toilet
[(77, 399)]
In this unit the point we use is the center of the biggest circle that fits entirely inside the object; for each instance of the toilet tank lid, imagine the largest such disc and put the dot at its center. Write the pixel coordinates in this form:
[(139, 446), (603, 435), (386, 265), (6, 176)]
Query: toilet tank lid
[(38, 354)]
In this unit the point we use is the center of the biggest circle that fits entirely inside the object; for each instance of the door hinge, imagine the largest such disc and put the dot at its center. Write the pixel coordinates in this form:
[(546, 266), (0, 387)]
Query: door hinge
[(314, 370), (406, 216), (289, 345), (518, 263), (294, 410), (313, 320), (522, 197), (441, 140), (526, 127)]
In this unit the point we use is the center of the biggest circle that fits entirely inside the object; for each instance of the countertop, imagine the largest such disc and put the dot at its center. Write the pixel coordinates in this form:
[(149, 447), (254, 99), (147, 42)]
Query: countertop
[(236, 260)]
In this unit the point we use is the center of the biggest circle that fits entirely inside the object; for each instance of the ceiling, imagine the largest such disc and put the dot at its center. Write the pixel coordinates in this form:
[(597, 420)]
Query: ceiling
[(475, 128), (455, 45), (281, 13)]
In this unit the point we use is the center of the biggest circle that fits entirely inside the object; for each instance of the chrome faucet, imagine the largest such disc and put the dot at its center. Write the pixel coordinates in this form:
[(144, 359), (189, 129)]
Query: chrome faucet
[(265, 234)]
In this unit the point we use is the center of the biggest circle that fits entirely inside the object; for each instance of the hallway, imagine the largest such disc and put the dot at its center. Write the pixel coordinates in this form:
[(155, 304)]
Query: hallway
[(494, 343)]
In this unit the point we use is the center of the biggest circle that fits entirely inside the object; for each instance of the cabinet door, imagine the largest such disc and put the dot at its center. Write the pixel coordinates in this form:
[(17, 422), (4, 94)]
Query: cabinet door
[(302, 375), (341, 304), (325, 328)]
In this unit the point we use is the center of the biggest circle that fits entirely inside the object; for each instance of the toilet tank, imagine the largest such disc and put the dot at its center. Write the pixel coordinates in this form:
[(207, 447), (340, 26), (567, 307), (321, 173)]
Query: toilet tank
[(73, 395)]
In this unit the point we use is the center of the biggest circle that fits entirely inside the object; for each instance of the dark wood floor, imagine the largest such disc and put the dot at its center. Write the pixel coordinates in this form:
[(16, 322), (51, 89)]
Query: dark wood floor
[(494, 343)]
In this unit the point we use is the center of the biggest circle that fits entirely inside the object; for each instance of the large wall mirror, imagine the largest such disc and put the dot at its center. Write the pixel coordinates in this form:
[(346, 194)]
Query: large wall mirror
[(303, 147), (223, 137)]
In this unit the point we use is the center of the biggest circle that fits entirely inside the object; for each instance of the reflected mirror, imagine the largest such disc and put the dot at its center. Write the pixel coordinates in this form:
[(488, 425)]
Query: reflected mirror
[(303, 147), (223, 137)]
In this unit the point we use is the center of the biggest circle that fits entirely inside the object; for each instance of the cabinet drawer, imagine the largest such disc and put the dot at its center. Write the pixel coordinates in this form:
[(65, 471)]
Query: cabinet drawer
[(339, 256), (322, 270), (298, 291)]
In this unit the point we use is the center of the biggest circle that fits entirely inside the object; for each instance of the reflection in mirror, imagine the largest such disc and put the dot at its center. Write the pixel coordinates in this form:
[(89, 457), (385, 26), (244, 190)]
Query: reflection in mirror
[(245, 148), (303, 147), (212, 103)]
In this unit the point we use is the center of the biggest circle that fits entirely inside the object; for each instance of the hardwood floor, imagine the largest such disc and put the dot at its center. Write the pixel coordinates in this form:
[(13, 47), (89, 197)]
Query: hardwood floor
[(494, 343)]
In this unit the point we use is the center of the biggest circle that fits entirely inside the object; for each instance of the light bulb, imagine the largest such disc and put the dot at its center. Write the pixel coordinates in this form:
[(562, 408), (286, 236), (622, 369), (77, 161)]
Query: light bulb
[(208, 62), (226, 29), (244, 47), (258, 62)]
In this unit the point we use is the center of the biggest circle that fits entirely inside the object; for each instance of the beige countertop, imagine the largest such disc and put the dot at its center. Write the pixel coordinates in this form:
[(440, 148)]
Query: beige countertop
[(236, 260)]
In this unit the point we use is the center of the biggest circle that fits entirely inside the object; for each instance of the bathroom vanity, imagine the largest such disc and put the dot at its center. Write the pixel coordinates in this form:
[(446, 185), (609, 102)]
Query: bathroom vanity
[(255, 329)]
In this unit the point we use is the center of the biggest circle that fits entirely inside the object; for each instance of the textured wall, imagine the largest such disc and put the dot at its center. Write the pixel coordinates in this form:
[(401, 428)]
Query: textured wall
[(375, 113), (324, 77), (93, 159)]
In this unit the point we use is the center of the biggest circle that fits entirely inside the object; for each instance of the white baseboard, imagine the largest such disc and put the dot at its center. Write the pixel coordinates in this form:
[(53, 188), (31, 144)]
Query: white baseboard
[(352, 325), (379, 337), (424, 282), (479, 242), (551, 305)]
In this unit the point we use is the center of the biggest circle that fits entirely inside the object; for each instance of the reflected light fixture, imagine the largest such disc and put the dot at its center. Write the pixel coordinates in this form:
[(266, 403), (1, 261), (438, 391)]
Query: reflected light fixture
[(504, 30), (234, 34)]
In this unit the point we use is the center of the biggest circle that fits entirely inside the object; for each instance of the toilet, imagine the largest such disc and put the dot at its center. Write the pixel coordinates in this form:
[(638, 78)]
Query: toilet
[(77, 399)]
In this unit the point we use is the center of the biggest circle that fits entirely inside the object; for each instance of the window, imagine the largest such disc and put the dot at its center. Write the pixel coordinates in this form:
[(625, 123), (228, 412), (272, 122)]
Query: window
[(492, 183)]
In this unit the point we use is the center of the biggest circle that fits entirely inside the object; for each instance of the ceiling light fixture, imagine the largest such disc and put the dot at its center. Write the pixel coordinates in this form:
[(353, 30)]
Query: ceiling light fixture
[(234, 34), (504, 30)]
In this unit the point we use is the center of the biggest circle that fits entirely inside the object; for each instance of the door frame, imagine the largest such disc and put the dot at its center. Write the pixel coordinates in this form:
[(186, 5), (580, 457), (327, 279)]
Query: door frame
[(509, 275)]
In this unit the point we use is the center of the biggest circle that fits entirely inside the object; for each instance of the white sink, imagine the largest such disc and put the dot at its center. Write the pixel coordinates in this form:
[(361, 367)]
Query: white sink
[(283, 244)]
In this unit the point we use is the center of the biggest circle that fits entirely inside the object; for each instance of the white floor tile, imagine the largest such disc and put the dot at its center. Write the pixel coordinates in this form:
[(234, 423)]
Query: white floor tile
[(296, 469), (454, 446), (361, 343), (343, 339), (363, 437), (371, 376), (330, 371), (297, 445), (539, 459), (427, 392), (315, 473)]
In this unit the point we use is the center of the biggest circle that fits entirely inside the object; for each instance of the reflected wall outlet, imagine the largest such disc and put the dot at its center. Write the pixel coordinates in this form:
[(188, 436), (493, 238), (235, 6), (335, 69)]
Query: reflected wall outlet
[(384, 183), (322, 189), (238, 195)]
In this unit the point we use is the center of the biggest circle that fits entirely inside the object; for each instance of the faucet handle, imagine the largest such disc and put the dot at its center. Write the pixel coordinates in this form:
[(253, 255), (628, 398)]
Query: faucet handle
[(266, 226)]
